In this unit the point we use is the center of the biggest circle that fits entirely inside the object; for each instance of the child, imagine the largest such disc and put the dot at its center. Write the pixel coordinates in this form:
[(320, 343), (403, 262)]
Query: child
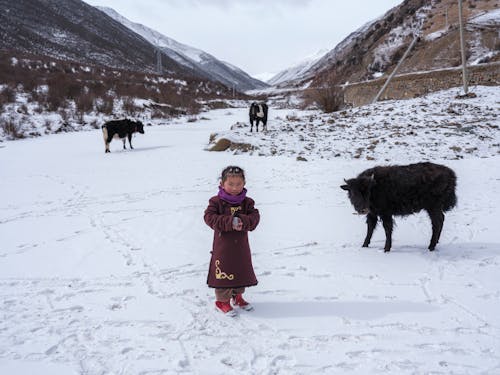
[(231, 214)]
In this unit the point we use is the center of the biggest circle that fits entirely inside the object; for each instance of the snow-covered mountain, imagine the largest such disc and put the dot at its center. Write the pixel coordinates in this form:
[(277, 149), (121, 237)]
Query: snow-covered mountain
[(191, 57), (296, 71)]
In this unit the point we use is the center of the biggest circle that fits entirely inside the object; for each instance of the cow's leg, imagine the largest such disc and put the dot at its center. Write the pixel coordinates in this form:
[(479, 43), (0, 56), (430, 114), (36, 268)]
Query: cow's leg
[(251, 125), (388, 223), (106, 140), (257, 124), (130, 141), (371, 222), (437, 220), (124, 142)]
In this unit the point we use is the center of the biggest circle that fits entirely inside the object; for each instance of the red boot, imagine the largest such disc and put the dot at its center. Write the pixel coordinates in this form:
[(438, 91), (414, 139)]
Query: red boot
[(238, 300), (225, 308)]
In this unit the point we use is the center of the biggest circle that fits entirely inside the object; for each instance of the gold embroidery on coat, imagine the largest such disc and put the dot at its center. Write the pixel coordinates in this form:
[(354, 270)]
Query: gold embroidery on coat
[(234, 210), (219, 275)]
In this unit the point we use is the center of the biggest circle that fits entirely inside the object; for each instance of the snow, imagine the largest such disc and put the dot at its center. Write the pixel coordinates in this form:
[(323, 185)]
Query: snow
[(436, 34), (103, 258), (297, 70), (384, 131), (157, 38), (490, 18)]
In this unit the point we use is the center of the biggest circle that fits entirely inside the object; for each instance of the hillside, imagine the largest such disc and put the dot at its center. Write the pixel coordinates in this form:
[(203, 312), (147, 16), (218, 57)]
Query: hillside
[(385, 131), (375, 49), (73, 30), (191, 57)]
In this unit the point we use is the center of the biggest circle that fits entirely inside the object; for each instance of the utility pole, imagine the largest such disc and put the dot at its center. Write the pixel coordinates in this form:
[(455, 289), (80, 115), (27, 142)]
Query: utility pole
[(415, 38), (159, 67), (462, 43)]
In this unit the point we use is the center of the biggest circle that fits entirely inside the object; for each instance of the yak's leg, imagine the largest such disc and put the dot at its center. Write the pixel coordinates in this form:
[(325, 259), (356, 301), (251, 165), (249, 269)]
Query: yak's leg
[(124, 140), (257, 124), (437, 220), (251, 125), (371, 222), (388, 224), (130, 140), (441, 226)]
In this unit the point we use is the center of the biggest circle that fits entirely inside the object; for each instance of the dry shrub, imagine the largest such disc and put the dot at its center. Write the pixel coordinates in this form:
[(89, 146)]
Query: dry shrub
[(218, 104), (84, 103), (129, 106), (105, 104), (8, 95), (23, 109), (11, 128), (328, 97), (162, 111)]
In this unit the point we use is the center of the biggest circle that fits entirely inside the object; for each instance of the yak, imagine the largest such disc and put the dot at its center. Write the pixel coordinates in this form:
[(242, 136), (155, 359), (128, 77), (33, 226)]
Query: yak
[(384, 191), (122, 129), (258, 112)]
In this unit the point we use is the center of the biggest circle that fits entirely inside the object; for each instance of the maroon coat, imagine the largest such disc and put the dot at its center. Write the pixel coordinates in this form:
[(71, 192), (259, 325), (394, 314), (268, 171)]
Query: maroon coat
[(231, 262)]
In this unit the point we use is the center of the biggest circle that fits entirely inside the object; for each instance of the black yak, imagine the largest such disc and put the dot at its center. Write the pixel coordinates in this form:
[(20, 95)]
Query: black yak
[(403, 190), (122, 129), (258, 112)]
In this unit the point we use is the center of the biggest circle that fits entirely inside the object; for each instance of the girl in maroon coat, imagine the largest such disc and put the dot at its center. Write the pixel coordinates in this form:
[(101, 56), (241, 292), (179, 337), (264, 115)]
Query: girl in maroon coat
[(231, 214)]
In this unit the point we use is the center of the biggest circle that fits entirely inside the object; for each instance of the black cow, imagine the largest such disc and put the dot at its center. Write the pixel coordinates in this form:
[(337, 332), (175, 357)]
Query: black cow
[(258, 112), (403, 190), (122, 129)]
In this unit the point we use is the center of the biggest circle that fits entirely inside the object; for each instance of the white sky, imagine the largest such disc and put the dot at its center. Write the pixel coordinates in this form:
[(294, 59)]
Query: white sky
[(258, 36)]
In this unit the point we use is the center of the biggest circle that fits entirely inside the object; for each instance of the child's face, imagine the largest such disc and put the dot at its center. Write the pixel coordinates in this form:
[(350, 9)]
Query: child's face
[(233, 185)]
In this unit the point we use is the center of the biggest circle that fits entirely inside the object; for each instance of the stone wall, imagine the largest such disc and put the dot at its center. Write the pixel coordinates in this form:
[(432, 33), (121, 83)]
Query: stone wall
[(412, 85)]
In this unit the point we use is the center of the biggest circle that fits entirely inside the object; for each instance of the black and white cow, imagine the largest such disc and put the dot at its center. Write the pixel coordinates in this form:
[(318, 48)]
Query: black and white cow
[(122, 129), (258, 112)]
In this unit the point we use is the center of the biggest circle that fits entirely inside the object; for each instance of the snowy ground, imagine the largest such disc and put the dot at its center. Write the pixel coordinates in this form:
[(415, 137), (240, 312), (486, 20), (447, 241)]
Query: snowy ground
[(103, 262), (383, 130)]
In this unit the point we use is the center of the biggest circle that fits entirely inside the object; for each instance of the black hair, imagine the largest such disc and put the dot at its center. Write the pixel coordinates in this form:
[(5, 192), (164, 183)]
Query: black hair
[(232, 170)]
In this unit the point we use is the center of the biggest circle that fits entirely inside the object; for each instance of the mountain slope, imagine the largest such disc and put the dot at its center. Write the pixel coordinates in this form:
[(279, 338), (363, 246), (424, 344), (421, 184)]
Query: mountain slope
[(375, 49), (296, 71), (190, 57), (74, 30)]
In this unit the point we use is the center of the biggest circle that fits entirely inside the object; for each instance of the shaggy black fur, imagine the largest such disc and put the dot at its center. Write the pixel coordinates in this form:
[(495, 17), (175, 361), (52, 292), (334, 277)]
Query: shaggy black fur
[(254, 110), (403, 190)]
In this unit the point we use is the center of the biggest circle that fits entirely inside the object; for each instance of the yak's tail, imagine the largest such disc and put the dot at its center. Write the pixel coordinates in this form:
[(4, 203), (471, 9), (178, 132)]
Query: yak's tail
[(450, 199)]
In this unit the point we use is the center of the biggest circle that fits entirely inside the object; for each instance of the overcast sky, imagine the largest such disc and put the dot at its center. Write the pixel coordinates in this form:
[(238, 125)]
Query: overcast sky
[(258, 36)]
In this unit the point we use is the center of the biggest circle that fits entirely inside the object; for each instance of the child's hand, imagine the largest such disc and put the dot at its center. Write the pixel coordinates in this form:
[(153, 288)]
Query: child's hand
[(237, 224)]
